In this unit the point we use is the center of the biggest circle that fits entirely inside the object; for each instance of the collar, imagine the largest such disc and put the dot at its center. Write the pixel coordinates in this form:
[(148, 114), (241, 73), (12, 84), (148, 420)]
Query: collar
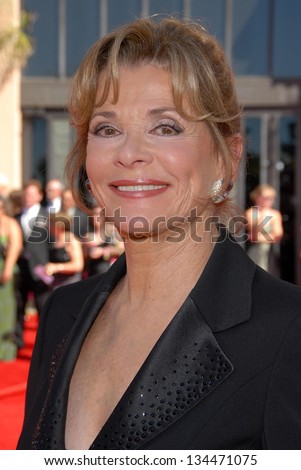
[(184, 366), (32, 211), (223, 293), (103, 288), (54, 205)]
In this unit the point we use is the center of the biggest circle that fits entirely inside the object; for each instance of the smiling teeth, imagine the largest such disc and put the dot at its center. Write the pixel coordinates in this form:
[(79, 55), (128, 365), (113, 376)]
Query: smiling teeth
[(140, 187)]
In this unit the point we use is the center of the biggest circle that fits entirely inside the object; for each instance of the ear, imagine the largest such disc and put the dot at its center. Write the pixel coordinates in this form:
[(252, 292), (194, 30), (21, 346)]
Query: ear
[(235, 143)]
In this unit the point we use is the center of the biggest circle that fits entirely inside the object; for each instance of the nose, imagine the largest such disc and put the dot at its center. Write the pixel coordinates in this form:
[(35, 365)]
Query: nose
[(133, 152)]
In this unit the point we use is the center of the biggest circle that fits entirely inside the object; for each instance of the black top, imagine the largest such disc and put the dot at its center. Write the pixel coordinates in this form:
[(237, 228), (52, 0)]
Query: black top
[(58, 255), (225, 374)]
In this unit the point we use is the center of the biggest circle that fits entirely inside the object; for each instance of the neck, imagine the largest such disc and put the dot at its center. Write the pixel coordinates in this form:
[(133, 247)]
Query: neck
[(165, 269)]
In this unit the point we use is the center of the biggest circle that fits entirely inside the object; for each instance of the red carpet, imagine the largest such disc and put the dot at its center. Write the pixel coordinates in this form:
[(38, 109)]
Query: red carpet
[(13, 377)]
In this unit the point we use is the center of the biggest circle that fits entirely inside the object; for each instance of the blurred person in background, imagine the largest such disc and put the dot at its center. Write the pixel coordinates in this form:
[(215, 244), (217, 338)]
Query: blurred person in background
[(102, 245), (66, 261), (10, 248), (264, 229), (80, 223), (53, 192), (15, 201), (33, 220)]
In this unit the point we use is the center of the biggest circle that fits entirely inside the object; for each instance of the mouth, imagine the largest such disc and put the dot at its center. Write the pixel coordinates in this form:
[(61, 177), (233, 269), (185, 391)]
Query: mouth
[(138, 189)]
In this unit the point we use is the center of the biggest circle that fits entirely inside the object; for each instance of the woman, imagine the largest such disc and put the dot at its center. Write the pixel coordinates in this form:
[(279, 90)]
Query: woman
[(10, 248), (102, 245), (264, 228), (66, 261), (183, 343)]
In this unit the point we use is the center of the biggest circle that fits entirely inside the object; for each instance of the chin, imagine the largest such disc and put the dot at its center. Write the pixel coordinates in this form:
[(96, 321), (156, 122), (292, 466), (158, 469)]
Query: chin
[(140, 226), (133, 217)]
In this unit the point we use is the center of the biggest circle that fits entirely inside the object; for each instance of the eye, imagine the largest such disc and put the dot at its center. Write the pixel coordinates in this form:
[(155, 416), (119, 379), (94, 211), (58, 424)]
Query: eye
[(105, 130), (167, 128)]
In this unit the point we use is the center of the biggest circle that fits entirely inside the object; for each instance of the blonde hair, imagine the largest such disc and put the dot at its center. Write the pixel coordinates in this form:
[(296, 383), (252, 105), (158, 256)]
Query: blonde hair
[(261, 188), (199, 73)]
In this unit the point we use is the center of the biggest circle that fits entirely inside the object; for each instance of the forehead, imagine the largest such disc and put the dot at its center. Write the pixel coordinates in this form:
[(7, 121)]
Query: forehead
[(267, 193), (31, 190), (143, 82), (53, 185)]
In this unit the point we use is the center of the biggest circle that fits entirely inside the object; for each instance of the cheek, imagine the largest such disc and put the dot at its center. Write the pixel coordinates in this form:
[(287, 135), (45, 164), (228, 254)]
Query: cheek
[(181, 156), (191, 166), (95, 162), (91, 150)]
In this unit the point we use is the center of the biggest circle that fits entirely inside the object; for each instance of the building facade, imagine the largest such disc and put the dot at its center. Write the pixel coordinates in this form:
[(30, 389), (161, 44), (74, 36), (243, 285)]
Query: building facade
[(261, 39), (10, 99)]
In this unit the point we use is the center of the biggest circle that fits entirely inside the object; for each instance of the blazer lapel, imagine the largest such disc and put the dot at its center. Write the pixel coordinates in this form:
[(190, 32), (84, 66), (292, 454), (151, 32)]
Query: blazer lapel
[(223, 293), (187, 362), (50, 432), (185, 366)]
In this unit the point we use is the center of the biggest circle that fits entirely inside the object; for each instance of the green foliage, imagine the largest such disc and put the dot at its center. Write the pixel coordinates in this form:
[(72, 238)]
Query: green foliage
[(15, 46)]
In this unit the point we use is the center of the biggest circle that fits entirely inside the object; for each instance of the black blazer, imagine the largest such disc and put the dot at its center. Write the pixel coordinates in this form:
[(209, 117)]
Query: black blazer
[(36, 245), (225, 374)]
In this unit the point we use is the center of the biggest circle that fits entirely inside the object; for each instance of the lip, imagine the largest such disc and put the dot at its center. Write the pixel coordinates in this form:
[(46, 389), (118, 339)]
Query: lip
[(138, 188)]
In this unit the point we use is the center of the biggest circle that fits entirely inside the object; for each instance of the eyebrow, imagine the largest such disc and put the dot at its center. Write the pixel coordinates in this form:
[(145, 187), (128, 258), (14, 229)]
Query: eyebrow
[(106, 114), (158, 111), (151, 112)]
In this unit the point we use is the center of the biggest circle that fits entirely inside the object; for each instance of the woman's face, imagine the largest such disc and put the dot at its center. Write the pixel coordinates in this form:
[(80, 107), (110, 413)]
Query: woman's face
[(146, 163), (265, 200)]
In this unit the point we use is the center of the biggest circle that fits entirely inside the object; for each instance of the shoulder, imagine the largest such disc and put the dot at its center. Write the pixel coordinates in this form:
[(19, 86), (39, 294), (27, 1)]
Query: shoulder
[(78, 289), (63, 307), (280, 288), (61, 310), (9, 221), (13, 223), (13, 227), (276, 298), (43, 212), (268, 299), (72, 296), (276, 214), (73, 240)]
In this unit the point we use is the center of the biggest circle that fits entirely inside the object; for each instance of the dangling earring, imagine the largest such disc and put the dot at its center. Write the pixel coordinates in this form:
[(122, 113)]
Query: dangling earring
[(217, 195)]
